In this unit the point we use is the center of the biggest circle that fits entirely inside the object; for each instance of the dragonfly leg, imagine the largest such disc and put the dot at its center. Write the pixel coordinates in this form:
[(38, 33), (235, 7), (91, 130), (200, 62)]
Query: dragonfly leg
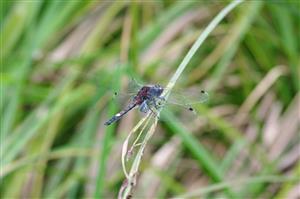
[(154, 113), (150, 104)]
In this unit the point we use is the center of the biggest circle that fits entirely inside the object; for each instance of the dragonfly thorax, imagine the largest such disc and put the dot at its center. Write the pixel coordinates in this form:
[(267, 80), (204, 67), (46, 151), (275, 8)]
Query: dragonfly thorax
[(148, 92)]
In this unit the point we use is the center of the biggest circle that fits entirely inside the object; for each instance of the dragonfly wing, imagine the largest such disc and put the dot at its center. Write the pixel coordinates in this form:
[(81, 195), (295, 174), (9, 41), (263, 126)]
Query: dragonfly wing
[(121, 99), (187, 98), (128, 93), (133, 86)]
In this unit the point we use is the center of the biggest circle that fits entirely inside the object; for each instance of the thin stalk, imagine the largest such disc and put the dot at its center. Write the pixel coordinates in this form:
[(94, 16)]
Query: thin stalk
[(213, 24)]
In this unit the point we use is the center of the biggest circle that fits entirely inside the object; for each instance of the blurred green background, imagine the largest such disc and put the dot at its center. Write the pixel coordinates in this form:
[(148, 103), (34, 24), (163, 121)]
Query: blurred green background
[(60, 60)]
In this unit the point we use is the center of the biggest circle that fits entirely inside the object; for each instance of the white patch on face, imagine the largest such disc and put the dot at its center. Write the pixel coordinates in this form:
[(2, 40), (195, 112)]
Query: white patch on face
[(118, 114)]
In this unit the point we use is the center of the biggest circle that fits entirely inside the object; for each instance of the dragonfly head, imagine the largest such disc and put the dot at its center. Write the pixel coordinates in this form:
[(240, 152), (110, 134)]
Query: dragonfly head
[(156, 90), (159, 89)]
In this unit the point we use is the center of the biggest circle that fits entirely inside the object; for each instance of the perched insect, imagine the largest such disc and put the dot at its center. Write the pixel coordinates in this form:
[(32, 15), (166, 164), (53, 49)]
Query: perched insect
[(148, 98)]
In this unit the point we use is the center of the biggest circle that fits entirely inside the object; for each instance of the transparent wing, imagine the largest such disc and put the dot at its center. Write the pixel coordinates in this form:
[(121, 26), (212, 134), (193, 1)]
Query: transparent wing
[(187, 97), (133, 86), (184, 99), (121, 98), (128, 93)]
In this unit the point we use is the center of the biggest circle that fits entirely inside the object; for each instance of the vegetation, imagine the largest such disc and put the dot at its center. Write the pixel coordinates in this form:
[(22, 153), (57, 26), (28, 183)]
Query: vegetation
[(62, 60)]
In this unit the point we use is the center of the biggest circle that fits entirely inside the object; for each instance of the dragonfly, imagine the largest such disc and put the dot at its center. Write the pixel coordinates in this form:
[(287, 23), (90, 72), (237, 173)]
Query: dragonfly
[(149, 98)]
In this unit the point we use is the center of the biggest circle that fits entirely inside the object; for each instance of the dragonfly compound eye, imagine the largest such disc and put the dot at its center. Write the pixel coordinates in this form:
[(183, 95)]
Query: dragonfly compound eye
[(191, 109)]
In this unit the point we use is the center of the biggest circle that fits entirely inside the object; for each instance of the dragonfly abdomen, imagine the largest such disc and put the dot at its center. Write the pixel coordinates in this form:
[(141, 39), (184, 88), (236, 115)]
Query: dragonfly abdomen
[(118, 116)]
